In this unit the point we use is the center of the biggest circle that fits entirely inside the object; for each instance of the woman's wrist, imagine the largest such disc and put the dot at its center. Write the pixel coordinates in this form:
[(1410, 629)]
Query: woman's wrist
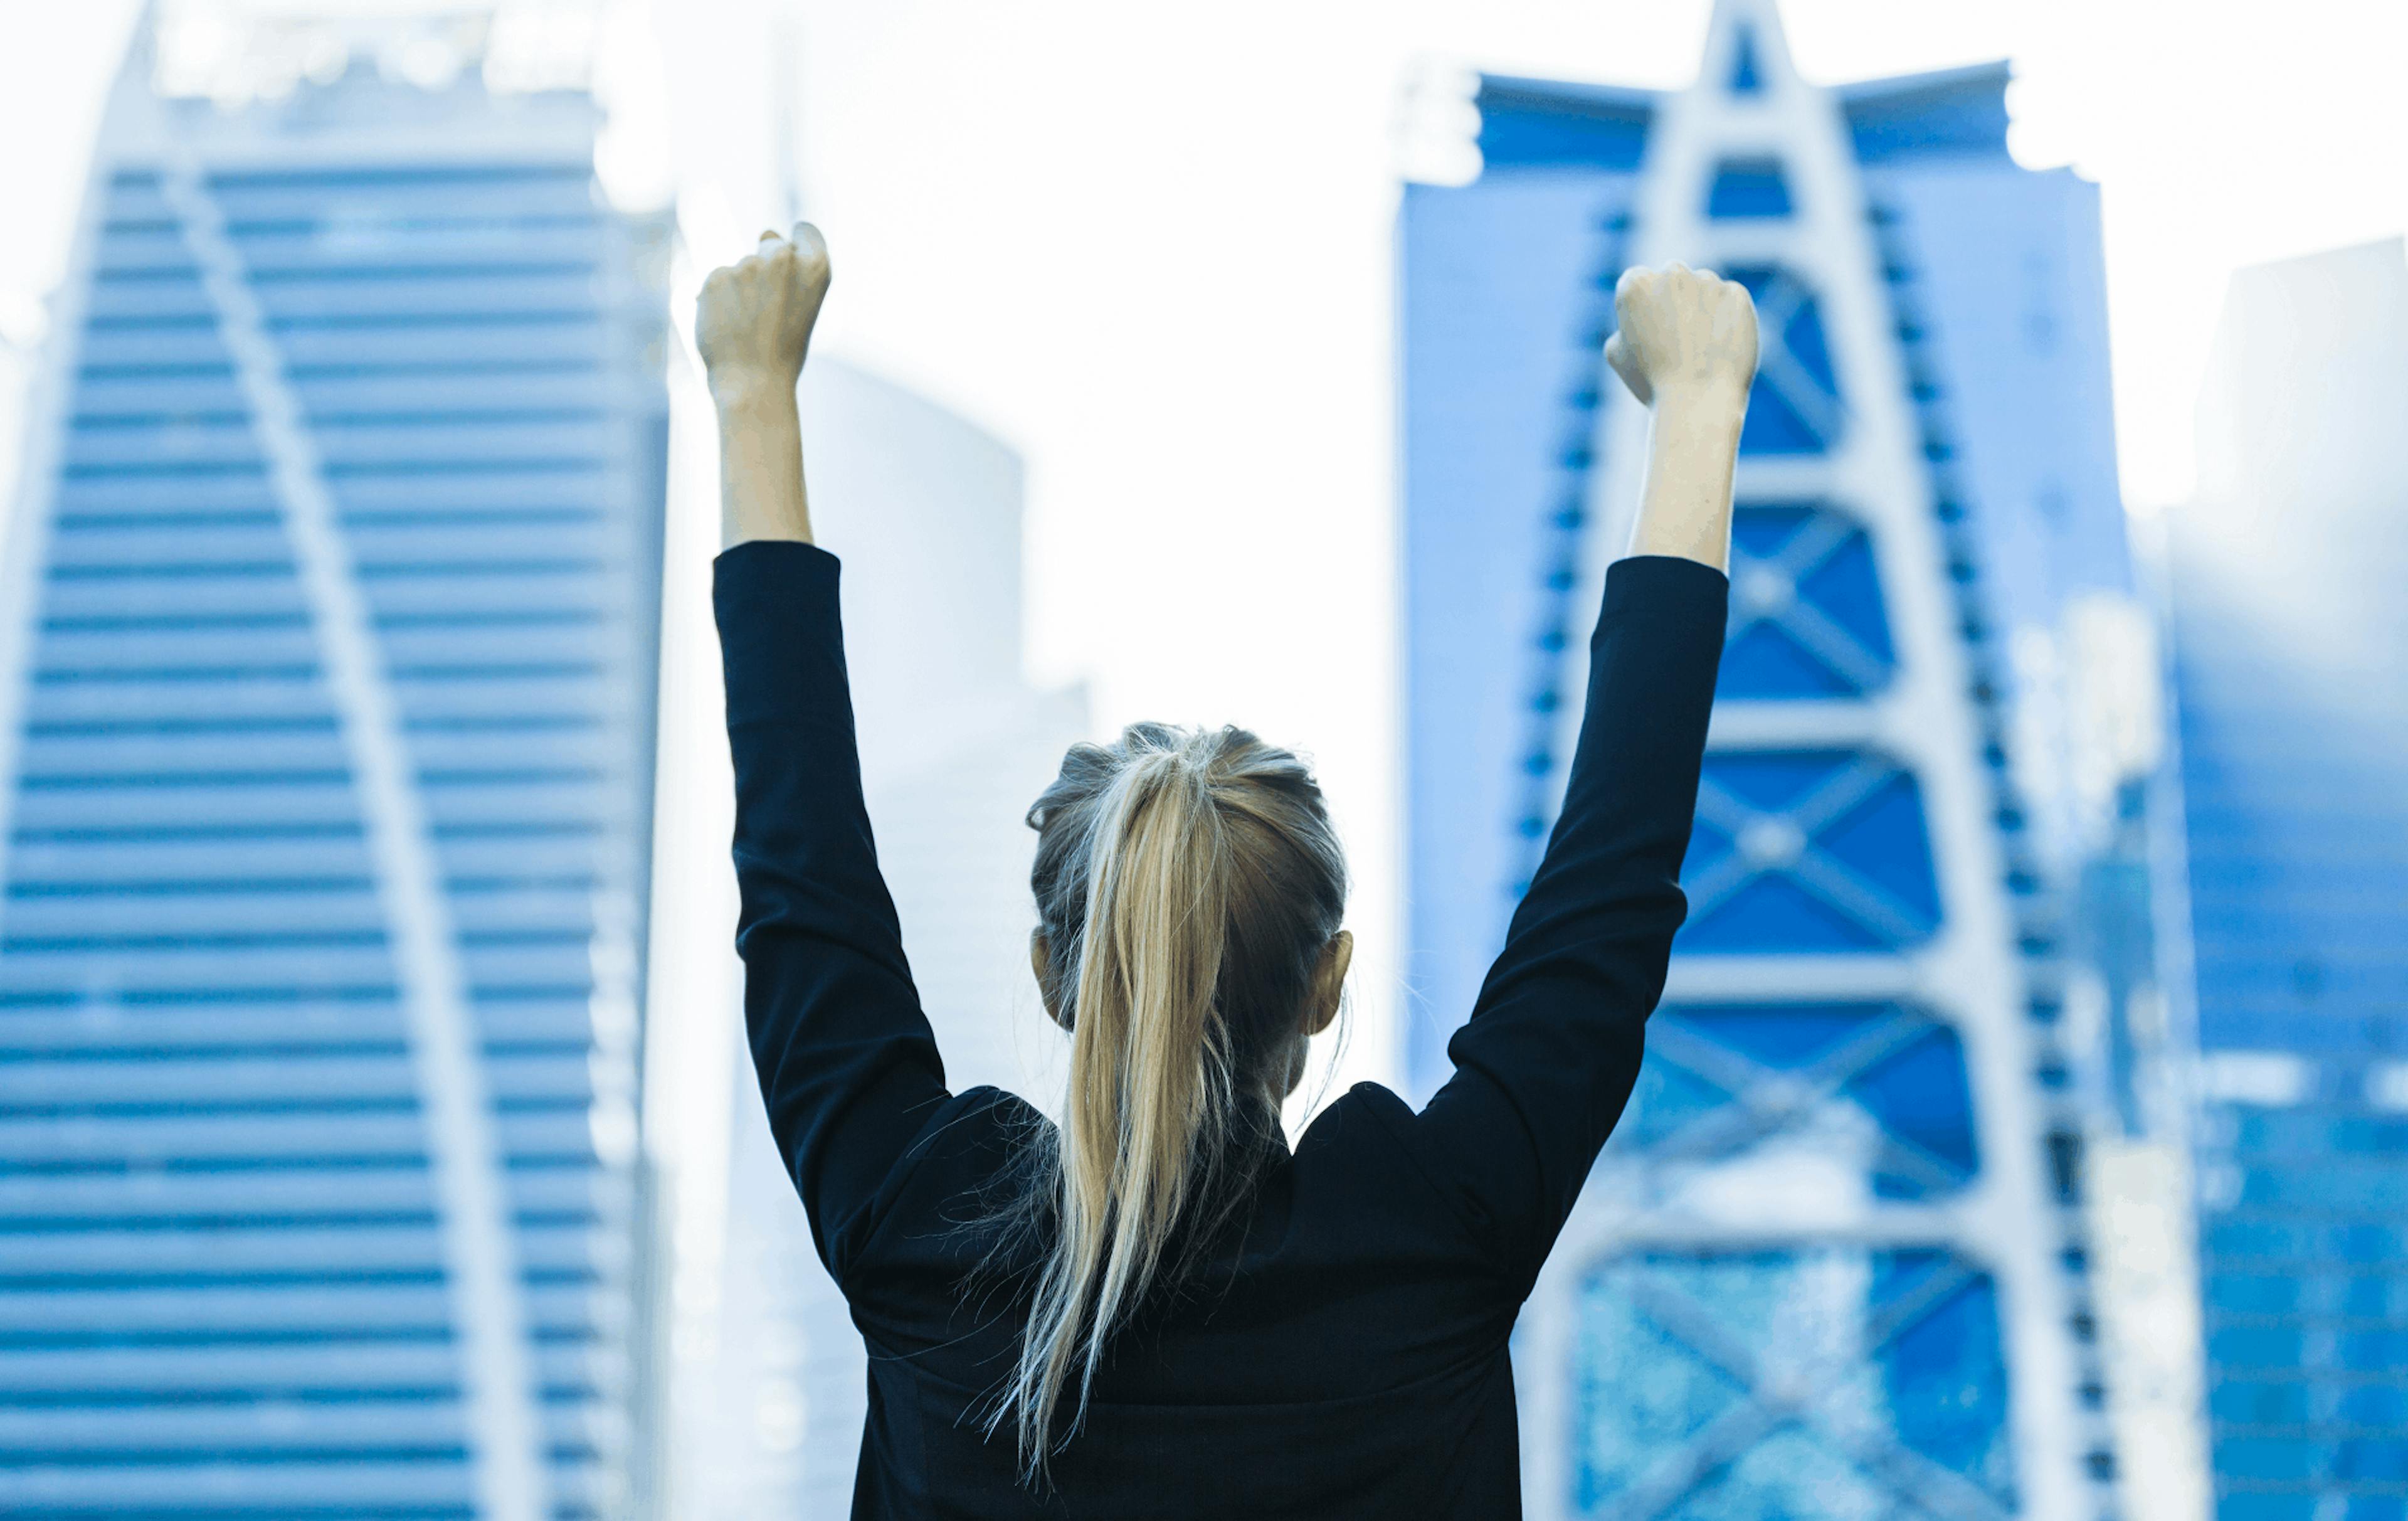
[(1703, 406), (747, 397), (1694, 435), (1693, 451), (761, 489)]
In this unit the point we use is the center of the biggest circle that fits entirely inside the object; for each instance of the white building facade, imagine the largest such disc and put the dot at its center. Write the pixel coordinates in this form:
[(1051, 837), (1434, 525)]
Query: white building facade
[(326, 714)]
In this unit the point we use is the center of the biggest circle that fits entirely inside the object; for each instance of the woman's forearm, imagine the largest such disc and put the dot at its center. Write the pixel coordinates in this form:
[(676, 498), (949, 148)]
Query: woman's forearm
[(1684, 508), (761, 492), (753, 326), (1686, 347)]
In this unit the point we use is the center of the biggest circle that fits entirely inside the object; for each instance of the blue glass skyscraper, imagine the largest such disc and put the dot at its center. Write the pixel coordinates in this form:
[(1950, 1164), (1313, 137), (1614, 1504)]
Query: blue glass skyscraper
[(1835, 1262), (328, 672), (2291, 685)]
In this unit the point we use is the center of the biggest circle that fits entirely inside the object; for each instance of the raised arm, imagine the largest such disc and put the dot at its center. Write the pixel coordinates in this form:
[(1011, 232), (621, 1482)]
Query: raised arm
[(847, 1062), (1547, 1060)]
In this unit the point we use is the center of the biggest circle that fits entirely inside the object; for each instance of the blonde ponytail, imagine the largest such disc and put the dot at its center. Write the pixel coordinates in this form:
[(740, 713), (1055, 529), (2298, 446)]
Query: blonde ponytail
[(1187, 886)]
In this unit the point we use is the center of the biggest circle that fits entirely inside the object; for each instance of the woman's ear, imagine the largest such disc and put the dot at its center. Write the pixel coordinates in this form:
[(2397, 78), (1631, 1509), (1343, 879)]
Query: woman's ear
[(1328, 983), (1039, 954)]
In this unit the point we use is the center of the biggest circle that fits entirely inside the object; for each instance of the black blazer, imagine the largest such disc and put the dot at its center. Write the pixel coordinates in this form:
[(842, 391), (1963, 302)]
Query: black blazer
[(1342, 1354)]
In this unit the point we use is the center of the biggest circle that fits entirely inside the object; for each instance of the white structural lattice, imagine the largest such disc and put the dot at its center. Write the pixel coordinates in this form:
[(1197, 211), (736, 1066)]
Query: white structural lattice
[(1914, 720)]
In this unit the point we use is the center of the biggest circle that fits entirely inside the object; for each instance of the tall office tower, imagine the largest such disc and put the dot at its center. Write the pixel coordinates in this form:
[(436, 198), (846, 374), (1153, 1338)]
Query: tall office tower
[(925, 509), (1834, 1262), (2290, 643), (328, 689)]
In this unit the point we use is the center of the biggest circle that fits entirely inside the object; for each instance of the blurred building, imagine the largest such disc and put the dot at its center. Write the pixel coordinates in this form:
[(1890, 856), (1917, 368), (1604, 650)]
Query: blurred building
[(326, 696), (925, 509), (2290, 642), (1839, 1260)]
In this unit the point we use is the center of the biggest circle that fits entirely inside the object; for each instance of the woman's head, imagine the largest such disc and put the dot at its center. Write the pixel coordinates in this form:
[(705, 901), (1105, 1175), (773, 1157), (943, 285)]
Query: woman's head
[(1211, 846), (1189, 896)]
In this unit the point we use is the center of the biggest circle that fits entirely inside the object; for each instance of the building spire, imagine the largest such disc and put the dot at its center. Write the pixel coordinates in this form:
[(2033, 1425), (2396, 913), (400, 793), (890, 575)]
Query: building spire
[(1747, 53)]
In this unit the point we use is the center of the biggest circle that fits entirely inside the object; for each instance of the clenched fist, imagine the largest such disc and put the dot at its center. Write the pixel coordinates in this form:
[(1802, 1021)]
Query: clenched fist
[(754, 318), (1683, 331)]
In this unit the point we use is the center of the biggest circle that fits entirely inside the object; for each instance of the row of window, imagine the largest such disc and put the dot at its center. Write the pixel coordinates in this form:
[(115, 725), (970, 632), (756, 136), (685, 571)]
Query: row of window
[(2290, 1344), (133, 250), (352, 393), (2304, 1132), (2321, 1461), (345, 1083), (358, 297), (137, 1025), (340, 346), (2334, 1294), (2318, 1396), (355, 210)]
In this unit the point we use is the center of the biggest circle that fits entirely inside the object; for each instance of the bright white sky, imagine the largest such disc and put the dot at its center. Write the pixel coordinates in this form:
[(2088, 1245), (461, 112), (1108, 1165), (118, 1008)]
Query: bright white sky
[(1151, 245)]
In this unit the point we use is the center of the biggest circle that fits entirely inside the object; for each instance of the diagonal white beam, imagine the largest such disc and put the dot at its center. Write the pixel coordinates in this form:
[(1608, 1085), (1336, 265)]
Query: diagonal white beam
[(1849, 892), (1828, 643), (1825, 535), (1907, 1474), (1767, 1102), (1718, 806), (1834, 798), (1677, 1475), (503, 1433), (1711, 888)]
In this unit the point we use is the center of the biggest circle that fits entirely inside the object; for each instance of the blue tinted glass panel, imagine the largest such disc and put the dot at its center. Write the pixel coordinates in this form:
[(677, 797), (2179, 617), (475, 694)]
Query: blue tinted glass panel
[(1805, 852), (1795, 407), (1902, 1346), (1774, 425), (1878, 1090), (1530, 121), (1748, 188), (1747, 70), (1807, 619)]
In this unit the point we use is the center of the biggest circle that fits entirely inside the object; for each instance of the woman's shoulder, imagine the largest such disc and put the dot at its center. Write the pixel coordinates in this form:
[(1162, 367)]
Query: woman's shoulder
[(1367, 1115), (969, 1163), (1364, 1098), (977, 1124), (1363, 1161)]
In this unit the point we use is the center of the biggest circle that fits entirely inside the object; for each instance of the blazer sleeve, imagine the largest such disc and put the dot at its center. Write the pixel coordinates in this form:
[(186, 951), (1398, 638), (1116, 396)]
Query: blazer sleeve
[(1547, 1060), (847, 1062)]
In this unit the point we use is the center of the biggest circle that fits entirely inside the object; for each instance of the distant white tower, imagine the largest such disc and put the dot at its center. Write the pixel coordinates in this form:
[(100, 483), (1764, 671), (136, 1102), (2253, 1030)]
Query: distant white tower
[(2287, 875), (326, 687)]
